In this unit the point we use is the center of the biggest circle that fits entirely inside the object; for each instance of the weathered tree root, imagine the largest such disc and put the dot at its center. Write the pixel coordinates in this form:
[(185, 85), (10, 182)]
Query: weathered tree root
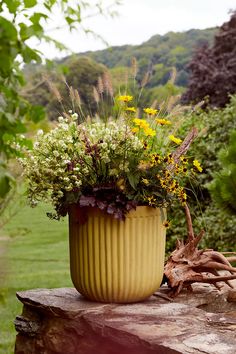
[(187, 264)]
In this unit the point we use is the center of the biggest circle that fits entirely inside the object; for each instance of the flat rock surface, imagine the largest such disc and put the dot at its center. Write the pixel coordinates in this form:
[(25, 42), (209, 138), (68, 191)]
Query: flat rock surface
[(62, 321)]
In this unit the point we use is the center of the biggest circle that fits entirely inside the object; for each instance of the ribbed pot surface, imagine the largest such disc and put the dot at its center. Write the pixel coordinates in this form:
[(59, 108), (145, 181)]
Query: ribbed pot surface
[(117, 261)]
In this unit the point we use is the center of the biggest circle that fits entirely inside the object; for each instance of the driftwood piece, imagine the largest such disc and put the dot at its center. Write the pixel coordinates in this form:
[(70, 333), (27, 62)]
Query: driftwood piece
[(183, 148), (187, 264)]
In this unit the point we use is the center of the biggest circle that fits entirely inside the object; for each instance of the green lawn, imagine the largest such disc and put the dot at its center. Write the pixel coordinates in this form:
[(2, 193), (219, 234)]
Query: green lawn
[(34, 256)]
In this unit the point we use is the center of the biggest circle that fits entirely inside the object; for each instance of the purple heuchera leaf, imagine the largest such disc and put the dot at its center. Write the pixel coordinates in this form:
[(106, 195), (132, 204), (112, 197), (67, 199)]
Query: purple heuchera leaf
[(119, 214), (101, 205), (131, 205), (87, 201), (111, 209)]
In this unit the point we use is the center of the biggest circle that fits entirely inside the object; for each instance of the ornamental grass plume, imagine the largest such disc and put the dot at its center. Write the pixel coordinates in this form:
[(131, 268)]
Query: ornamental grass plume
[(111, 161)]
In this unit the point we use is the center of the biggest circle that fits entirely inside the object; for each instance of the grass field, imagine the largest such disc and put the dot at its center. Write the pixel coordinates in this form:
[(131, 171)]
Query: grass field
[(33, 254)]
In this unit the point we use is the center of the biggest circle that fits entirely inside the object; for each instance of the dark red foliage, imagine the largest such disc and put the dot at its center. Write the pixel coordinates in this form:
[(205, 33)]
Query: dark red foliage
[(213, 69), (108, 199)]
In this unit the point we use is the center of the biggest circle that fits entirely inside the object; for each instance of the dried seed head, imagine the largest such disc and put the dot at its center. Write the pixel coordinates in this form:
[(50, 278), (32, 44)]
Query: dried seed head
[(172, 102), (71, 93), (95, 95), (100, 87), (154, 104), (173, 75), (134, 67), (145, 79), (107, 84), (77, 98), (53, 89)]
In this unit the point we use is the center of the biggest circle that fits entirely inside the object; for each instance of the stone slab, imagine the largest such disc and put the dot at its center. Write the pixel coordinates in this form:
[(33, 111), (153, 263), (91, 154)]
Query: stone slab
[(61, 321)]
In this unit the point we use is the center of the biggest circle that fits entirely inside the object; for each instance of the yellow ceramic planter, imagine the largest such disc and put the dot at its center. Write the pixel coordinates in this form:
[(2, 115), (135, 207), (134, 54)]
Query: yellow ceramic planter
[(117, 261)]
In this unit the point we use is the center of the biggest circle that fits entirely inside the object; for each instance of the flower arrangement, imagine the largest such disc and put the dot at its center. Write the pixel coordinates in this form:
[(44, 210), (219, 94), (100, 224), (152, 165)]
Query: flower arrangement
[(114, 164)]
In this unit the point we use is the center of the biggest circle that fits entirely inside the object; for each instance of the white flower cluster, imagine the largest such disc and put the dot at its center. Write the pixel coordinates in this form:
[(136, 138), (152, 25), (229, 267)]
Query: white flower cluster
[(71, 157)]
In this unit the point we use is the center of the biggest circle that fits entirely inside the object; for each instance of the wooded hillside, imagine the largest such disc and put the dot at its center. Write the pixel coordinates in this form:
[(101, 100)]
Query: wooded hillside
[(158, 54)]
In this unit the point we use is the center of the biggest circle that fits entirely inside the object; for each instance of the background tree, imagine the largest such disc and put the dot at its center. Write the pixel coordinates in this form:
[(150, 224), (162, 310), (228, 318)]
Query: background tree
[(51, 87), (21, 21), (213, 69), (162, 52), (215, 127), (223, 186)]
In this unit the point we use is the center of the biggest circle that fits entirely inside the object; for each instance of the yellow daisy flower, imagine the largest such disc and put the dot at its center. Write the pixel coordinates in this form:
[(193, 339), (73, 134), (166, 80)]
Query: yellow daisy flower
[(145, 181), (150, 111), (149, 132), (156, 159), (184, 160), (125, 98), (166, 224), (163, 121), (175, 140), (135, 130), (197, 165), (131, 109), (142, 123), (151, 200)]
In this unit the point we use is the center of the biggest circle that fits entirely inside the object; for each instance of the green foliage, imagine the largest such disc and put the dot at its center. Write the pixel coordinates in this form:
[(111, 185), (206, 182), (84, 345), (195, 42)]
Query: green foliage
[(155, 57), (35, 255), (21, 21), (158, 55), (223, 186), (113, 163), (51, 87), (215, 127), (6, 181)]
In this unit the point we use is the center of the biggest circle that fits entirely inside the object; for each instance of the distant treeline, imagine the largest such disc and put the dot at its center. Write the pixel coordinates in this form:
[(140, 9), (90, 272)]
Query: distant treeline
[(157, 57)]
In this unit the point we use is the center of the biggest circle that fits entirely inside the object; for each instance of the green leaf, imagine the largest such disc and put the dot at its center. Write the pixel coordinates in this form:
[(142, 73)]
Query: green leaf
[(37, 16), (8, 30), (133, 180), (36, 113), (30, 55), (6, 181), (30, 3), (12, 5), (57, 44), (24, 31), (29, 31), (69, 20)]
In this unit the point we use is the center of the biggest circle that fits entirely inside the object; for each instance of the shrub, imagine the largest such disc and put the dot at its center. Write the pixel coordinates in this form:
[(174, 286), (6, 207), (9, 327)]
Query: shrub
[(215, 127)]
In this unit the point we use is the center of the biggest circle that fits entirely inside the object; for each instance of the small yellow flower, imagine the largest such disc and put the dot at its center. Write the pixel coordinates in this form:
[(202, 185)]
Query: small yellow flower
[(167, 174), (135, 130), (121, 184), (131, 109), (197, 165), (145, 181), (149, 132), (184, 160), (151, 200), (125, 98), (142, 123), (156, 159), (150, 111), (182, 195), (163, 183), (174, 139), (163, 121), (168, 159), (173, 186), (166, 224), (181, 169)]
